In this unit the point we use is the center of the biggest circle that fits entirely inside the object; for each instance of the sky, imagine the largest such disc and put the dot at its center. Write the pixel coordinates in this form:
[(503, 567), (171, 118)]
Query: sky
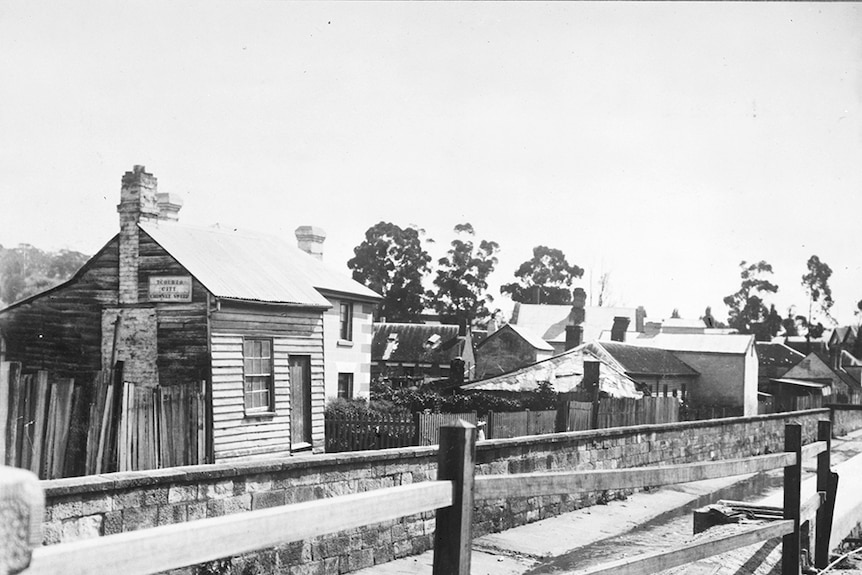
[(662, 143)]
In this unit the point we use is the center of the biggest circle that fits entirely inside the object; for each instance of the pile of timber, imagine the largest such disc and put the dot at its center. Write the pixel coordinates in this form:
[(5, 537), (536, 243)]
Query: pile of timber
[(161, 427), (57, 428), (36, 416), (135, 427)]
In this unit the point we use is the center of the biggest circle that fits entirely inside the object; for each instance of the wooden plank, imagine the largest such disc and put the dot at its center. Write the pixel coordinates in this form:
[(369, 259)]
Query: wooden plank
[(691, 552), (813, 449), (38, 421), (174, 546), (5, 388), (823, 527), (559, 483), (810, 507), (453, 528), (64, 392), (791, 543)]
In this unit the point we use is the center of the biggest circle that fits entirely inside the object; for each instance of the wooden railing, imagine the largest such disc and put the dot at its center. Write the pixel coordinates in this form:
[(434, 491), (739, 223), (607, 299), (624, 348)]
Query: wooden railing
[(452, 495)]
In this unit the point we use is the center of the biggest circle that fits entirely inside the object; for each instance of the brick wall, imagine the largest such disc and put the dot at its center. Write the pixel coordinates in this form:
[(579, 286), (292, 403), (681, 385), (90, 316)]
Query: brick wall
[(112, 503)]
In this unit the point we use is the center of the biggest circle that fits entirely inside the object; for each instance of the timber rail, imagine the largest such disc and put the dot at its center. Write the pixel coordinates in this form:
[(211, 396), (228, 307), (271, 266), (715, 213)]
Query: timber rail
[(174, 546)]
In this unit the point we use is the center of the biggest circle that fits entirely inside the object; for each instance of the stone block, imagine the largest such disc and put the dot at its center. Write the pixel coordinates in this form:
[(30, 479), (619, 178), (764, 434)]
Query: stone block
[(52, 532), (66, 509), (267, 499), (360, 559), (218, 490), (90, 526), (113, 523), (126, 499), (182, 493), (237, 504), (196, 510), (140, 518), (96, 504)]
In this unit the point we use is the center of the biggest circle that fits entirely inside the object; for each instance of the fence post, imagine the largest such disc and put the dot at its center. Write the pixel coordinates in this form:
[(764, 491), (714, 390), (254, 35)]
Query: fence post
[(790, 548), (21, 508), (823, 527), (453, 531)]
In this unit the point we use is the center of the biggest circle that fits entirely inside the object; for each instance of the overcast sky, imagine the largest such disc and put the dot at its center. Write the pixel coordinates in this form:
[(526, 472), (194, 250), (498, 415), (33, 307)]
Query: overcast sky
[(660, 142)]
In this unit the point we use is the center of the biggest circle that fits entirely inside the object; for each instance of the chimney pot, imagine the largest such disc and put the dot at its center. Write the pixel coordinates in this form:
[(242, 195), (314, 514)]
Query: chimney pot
[(310, 240)]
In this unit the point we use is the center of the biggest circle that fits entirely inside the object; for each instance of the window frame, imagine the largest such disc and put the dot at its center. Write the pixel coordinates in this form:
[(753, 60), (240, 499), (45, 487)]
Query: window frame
[(249, 407), (349, 379), (345, 321)]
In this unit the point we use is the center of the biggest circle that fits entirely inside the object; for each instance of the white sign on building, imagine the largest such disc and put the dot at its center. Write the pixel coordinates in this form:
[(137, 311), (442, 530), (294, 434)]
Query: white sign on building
[(170, 288)]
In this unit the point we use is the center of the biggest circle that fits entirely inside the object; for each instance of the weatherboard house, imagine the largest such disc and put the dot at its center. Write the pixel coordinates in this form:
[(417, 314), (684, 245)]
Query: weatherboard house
[(267, 328)]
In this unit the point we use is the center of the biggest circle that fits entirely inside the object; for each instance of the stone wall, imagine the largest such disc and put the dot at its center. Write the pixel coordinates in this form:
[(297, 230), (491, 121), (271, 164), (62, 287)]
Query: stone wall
[(112, 503), (845, 419)]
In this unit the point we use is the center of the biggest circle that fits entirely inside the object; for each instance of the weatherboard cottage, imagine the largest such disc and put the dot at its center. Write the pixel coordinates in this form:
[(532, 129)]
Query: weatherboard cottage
[(267, 328)]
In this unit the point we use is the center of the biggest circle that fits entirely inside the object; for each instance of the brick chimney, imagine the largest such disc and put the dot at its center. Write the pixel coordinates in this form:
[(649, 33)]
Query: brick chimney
[(138, 203), (618, 331), (310, 240), (574, 327)]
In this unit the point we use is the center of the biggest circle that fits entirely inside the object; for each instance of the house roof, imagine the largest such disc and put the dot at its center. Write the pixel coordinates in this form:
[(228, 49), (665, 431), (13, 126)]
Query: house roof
[(415, 342), (802, 382), (843, 334), (641, 360), (531, 338), (772, 353), (564, 372), (252, 266), (549, 321), (705, 343)]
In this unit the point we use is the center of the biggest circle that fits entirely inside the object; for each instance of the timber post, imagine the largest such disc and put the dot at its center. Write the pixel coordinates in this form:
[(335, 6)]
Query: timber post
[(790, 546), (453, 531), (823, 526), (22, 502)]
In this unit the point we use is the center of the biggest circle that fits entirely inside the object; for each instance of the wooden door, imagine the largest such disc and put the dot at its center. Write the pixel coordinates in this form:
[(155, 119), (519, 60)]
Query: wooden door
[(300, 400)]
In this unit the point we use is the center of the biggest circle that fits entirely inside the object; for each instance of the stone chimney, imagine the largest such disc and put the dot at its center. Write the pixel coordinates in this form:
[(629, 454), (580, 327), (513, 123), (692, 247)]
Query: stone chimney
[(310, 240), (138, 203), (169, 206), (618, 331)]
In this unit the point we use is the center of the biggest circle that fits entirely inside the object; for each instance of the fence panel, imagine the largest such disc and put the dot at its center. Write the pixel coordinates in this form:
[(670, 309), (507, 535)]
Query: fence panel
[(579, 416), (429, 424), (359, 434), (521, 423), (620, 412)]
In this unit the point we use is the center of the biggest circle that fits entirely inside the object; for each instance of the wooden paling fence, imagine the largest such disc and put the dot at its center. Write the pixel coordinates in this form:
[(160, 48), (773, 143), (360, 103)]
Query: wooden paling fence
[(579, 415), (623, 411), (384, 432), (57, 427), (161, 427), (428, 424), (357, 434), (521, 423), (451, 496)]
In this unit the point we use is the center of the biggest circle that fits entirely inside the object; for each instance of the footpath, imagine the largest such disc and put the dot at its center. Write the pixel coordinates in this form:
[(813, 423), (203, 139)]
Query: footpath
[(551, 545)]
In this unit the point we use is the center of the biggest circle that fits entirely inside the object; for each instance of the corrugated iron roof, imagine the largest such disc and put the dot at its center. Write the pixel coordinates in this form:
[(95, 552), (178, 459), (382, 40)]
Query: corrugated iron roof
[(641, 360), (252, 266), (415, 342), (528, 336), (564, 372), (707, 343), (549, 321), (775, 353)]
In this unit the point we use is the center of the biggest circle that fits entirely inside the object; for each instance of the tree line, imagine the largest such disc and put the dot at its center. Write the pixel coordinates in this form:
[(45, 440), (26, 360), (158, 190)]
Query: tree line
[(749, 314), (392, 261)]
